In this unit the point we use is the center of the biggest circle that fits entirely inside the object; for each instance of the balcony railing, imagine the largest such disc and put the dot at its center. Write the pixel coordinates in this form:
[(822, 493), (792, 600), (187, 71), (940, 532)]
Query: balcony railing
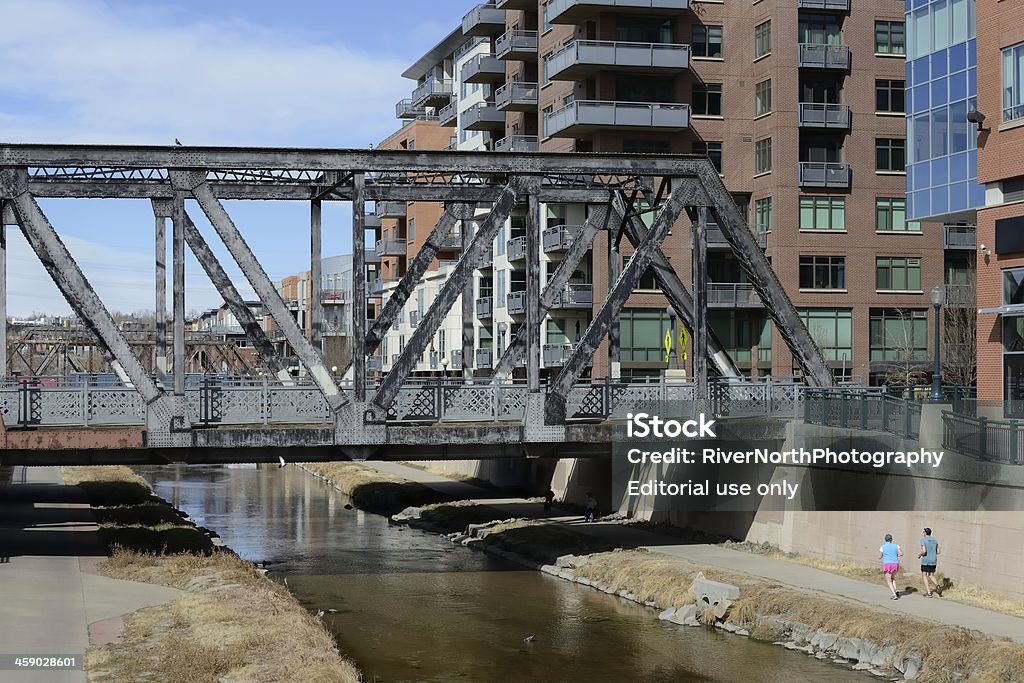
[(516, 96), (414, 318), (389, 247), (823, 174), (515, 249), (375, 363), (516, 303), (483, 307), (832, 5), (732, 295), (575, 11), (959, 237), (484, 359), (555, 355), (484, 20), (822, 56), (391, 209), (560, 238), (516, 4), (583, 115), (582, 57), (961, 296), (483, 69), (449, 114), (580, 296), (516, 45), (405, 109), (715, 238), (483, 116), (371, 221), (432, 92), (456, 360), (517, 143), (815, 115)]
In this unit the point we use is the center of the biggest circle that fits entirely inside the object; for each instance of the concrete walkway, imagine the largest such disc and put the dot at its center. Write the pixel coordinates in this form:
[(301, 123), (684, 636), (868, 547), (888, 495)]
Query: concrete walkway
[(49, 543), (874, 596)]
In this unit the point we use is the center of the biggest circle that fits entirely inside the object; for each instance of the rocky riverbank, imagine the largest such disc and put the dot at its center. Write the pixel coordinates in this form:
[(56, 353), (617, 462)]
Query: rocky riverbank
[(231, 623)]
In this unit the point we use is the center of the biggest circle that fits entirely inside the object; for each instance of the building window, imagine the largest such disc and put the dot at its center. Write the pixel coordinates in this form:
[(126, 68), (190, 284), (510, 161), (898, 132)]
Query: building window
[(822, 272), (898, 273), (763, 39), (646, 147), (832, 331), (890, 154), (763, 98), (707, 41), (707, 99), (822, 212), (763, 215), (898, 334), (411, 232), (642, 335), (499, 288), (891, 216), (889, 96), (1013, 82), (648, 281), (712, 150), (763, 156), (890, 38)]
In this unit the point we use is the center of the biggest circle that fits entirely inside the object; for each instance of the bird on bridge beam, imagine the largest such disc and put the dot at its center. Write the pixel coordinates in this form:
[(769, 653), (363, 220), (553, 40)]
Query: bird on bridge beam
[(178, 142)]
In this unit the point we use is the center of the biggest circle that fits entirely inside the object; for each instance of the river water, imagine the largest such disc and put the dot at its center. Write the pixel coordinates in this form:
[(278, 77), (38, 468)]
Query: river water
[(408, 606)]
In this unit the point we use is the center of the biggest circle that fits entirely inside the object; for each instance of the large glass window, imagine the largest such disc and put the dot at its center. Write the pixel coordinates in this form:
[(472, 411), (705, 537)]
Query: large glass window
[(891, 215), (499, 289), (889, 96), (763, 39), (707, 99), (706, 41), (822, 272), (898, 334), (832, 331), (1013, 286), (898, 273), (822, 212), (763, 156), (643, 30), (763, 98), (763, 214), (642, 335), (890, 154), (890, 38), (712, 150), (818, 29), (1013, 82)]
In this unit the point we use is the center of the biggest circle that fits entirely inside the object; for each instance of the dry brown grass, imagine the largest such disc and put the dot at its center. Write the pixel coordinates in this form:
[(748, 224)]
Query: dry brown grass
[(945, 649), (108, 484), (542, 541), (232, 624), (375, 491)]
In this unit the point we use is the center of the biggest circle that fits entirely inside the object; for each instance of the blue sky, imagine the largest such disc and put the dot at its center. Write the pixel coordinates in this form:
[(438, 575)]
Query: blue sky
[(314, 73)]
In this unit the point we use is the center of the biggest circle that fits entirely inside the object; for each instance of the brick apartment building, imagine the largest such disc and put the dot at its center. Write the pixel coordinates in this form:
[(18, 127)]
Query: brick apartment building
[(800, 103)]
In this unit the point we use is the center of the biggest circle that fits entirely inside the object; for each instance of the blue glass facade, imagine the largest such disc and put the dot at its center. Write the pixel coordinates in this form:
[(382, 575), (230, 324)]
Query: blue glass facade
[(942, 86)]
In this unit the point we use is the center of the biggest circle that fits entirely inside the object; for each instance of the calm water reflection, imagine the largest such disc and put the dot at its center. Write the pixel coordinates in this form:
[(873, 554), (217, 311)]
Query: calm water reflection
[(408, 606)]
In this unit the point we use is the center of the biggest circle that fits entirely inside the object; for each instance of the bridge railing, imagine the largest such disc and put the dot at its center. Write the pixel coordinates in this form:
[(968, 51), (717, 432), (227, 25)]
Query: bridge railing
[(868, 408), (984, 438)]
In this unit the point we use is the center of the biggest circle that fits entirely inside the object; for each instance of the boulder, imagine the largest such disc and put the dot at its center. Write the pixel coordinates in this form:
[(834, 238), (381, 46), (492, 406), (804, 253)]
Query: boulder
[(912, 667), (667, 614), (883, 656), (714, 590), (743, 632), (824, 641), (685, 616)]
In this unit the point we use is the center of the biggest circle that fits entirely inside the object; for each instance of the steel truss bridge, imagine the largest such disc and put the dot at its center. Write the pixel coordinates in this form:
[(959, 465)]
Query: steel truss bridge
[(480, 188)]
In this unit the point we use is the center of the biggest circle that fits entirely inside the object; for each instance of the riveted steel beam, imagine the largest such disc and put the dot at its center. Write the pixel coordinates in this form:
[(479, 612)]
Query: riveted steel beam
[(446, 298), (684, 192), (77, 290), (533, 311), (178, 292), (315, 275), (160, 302), (414, 273), (596, 221), (359, 288), (468, 310), (261, 283), (700, 301), (776, 302)]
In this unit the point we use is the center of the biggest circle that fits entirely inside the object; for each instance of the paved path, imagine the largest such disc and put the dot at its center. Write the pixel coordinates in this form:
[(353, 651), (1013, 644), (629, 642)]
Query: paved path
[(875, 596), (47, 602)]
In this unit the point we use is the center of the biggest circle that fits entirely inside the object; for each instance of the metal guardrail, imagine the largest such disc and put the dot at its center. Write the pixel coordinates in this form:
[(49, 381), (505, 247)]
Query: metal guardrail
[(868, 408), (823, 56), (984, 438), (517, 143), (823, 174)]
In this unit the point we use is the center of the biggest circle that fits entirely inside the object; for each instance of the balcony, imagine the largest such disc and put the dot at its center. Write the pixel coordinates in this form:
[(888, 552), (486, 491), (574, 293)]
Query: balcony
[(516, 45), (516, 249), (375, 364), (456, 362), (560, 238), (585, 116), (484, 307), (484, 359), (483, 116), (732, 295), (406, 110), (577, 11), (414, 319), (449, 115), (828, 5), (483, 69), (484, 20), (333, 296), (371, 221), (580, 297), (715, 238), (451, 242), (959, 237), (517, 143), (516, 303), (822, 56), (516, 4), (516, 96), (582, 58), (961, 296), (555, 355), (391, 209), (432, 93), (814, 115), (389, 247), (823, 174)]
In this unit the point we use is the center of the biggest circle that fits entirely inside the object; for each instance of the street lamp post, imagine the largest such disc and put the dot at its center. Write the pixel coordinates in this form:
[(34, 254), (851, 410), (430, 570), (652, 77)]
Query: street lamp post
[(444, 368), (671, 334), (938, 298)]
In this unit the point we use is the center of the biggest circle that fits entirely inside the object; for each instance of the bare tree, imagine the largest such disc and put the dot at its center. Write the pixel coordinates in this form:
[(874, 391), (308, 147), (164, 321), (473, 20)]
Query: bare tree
[(908, 369), (960, 333)]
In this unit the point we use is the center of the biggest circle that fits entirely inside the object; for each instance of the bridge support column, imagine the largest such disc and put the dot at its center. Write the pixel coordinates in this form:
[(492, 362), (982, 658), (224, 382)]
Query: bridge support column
[(178, 294), (359, 288), (3, 288), (614, 268), (533, 308), (700, 307), (315, 276), (160, 303), (468, 309)]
